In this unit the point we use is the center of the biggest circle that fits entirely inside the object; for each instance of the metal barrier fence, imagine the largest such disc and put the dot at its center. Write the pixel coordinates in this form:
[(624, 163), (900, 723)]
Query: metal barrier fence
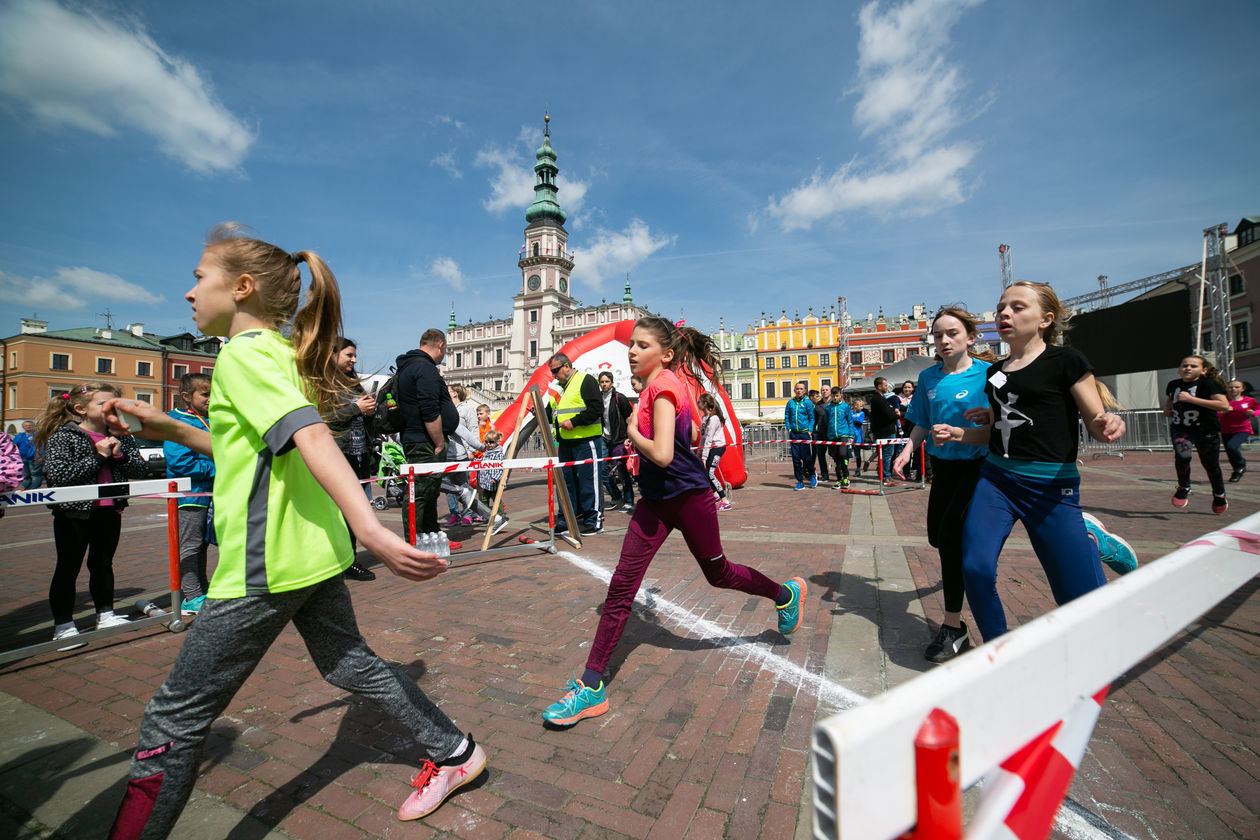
[(1145, 430)]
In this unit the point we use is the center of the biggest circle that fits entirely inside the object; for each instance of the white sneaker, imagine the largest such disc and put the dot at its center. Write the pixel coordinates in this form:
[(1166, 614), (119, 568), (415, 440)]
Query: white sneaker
[(500, 522), (104, 620), (68, 633)]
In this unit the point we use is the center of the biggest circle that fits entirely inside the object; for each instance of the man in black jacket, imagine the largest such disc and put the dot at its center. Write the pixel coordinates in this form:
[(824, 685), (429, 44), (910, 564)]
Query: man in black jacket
[(429, 416), (884, 419), (615, 474), (820, 430)]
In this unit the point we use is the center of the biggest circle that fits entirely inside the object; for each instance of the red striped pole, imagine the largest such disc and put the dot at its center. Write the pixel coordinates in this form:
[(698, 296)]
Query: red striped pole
[(172, 542), (411, 501)]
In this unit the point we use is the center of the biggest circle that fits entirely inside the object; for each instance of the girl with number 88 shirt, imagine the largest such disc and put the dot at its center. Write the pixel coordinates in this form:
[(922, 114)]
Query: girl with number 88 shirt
[(1191, 404)]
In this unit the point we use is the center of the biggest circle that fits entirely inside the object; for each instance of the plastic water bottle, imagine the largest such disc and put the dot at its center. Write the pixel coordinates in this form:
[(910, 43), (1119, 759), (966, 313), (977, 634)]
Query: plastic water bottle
[(426, 542), (443, 544)]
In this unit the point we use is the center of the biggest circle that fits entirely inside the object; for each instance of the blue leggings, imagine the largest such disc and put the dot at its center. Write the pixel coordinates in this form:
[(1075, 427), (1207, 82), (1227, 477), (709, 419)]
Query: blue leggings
[(1051, 512)]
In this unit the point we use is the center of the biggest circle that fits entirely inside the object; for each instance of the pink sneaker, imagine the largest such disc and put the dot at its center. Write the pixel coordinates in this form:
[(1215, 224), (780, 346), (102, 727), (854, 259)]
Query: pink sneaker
[(435, 782), (725, 504), (452, 520)]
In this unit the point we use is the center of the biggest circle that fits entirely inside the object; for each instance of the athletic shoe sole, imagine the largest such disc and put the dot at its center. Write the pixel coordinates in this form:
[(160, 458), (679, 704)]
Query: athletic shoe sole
[(589, 712)]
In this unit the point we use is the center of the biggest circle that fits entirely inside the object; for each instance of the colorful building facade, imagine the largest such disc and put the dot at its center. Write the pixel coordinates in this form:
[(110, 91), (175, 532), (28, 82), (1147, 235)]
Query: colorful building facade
[(795, 349)]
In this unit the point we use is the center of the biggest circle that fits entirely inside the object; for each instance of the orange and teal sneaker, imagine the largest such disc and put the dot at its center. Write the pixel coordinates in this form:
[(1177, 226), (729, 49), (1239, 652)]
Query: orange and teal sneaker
[(790, 613), (582, 701)]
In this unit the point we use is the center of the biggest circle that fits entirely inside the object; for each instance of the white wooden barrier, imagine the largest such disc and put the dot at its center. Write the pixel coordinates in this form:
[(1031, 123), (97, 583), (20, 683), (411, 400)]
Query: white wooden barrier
[(1012, 689)]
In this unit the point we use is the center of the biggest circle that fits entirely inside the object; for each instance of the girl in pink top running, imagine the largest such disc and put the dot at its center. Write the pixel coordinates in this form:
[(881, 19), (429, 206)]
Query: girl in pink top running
[(1236, 427), (675, 494)]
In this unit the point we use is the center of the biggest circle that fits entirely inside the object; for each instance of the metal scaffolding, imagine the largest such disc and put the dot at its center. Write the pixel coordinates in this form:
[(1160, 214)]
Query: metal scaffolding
[(1215, 288)]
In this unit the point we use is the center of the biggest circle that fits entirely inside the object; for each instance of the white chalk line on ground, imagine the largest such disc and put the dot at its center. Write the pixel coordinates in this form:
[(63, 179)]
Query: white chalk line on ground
[(1071, 818)]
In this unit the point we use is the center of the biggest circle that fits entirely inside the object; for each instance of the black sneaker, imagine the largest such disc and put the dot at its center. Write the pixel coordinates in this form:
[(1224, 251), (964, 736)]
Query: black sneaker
[(1236, 475), (949, 642), (1181, 497), (357, 572), (588, 531)]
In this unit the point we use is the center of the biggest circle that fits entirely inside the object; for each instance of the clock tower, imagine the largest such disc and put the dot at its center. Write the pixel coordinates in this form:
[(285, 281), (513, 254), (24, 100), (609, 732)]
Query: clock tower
[(545, 265)]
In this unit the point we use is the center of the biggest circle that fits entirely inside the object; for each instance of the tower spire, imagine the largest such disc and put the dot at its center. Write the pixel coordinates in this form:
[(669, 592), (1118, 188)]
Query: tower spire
[(545, 206)]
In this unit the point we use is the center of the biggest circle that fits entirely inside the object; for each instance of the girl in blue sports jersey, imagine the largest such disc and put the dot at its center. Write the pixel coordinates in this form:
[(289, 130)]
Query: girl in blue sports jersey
[(944, 395), (1036, 396), (282, 488)]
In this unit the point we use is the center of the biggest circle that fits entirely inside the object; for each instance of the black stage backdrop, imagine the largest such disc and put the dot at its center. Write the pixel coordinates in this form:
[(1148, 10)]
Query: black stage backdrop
[(1149, 334)]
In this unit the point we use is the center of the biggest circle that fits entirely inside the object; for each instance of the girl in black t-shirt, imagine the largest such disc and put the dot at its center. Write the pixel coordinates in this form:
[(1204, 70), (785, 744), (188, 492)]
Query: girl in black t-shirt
[(1035, 397), (1192, 402)]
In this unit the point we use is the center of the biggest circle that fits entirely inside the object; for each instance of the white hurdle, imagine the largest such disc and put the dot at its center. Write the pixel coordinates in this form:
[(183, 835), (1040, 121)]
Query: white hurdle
[(1012, 690)]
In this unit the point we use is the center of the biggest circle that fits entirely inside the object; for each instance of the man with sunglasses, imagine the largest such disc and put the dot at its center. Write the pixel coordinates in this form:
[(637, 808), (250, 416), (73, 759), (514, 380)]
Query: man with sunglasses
[(577, 417)]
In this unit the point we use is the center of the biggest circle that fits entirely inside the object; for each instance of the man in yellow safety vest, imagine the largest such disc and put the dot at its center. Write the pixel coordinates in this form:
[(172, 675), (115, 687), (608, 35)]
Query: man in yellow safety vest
[(577, 417)]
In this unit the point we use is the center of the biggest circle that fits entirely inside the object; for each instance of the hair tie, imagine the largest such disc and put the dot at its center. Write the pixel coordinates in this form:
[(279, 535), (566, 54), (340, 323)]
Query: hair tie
[(296, 256), (65, 396)]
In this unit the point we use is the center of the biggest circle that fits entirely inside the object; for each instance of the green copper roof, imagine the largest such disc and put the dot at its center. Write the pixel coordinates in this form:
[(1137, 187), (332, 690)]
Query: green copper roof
[(450, 325), (545, 206)]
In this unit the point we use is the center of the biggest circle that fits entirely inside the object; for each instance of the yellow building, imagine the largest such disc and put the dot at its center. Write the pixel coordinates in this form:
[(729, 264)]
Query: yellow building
[(793, 349)]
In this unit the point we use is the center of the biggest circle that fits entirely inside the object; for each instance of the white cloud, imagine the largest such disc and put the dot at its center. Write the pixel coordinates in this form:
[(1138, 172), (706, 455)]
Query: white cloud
[(446, 119), (79, 69), (613, 253), (446, 270), (71, 289), (446, 161), (909, 98)]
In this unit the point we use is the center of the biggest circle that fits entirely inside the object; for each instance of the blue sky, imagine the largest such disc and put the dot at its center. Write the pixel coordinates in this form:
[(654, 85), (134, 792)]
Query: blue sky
[(732, 157)]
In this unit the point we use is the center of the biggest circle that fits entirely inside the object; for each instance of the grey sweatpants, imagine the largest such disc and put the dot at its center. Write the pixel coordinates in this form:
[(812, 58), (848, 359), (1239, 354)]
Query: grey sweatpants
[(225, 644), (192, 552)]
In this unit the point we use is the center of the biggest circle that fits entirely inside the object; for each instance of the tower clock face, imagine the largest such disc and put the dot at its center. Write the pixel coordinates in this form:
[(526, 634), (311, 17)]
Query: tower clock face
[(534, 282), (564, 286)]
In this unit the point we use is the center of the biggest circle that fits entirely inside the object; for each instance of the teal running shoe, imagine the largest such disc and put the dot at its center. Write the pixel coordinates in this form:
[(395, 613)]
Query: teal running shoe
[(192, 606), (1112, 550), (790, 613), (582, 701)]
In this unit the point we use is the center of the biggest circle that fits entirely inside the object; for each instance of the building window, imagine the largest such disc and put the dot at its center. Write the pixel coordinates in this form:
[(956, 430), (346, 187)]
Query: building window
[(726, 364), (12, 397), (61, 361), (745, 363), (786, 387), (824, 360), (498, 355), (824, 383), (1242, 336), (533, 349), (12, 359), (1206, 343), (459, 360), (104, 365), (785, 362), (745, 391), (769, 362), (535, 249), (144, 397), (498, 384), (912, 351), (477, 358), (533, 316), (144, 368), (890, 356), (726, 386), (855, 357), (802, 361), (1236, 285), (1246, 237), (770, 391), (178, 371)]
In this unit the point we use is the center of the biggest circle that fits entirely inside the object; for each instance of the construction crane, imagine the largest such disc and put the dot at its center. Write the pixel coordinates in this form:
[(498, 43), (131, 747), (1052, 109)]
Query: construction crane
[(1004, 264)]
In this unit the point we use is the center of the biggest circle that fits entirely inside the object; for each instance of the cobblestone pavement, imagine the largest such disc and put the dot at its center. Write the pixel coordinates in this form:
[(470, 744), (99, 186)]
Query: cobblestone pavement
[(711, 709)]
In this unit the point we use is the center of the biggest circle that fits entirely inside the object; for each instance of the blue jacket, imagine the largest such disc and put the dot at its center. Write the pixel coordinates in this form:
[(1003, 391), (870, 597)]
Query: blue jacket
[(26, 445), (798, 415), (840, 421), (182, 461)]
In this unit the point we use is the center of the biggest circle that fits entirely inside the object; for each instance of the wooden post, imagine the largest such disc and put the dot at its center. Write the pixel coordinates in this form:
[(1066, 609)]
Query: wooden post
[(562, 487), (503, 480)]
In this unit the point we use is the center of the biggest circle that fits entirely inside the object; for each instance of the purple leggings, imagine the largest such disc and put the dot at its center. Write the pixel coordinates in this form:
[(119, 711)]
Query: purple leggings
[(694, 514)]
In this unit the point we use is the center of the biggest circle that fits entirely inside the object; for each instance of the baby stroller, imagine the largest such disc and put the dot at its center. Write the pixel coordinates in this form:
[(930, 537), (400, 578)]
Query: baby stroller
[(393, 488)]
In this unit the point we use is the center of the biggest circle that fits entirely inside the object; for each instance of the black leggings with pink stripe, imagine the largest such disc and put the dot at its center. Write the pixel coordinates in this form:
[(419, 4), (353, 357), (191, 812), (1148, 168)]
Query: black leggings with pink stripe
[(694, 515)]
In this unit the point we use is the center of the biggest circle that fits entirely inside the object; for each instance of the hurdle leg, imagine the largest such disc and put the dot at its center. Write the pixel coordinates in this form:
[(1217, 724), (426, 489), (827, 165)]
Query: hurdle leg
[(411, 501)]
